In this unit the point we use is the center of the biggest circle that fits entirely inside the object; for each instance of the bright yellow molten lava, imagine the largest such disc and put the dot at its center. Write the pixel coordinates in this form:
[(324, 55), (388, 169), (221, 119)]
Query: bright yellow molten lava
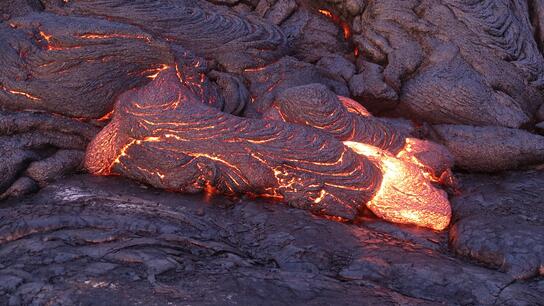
[(405, 195)]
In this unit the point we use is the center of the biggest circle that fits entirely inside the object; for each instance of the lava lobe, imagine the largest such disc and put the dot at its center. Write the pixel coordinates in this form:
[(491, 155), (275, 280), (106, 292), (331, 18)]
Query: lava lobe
[(163, 134)]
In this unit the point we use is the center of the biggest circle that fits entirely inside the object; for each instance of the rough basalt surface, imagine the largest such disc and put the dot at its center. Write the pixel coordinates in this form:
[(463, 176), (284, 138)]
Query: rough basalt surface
[(425, 58), (93, 240), (491, 149), (59, 64), (267, 82), (235, 42), (37, 148), (499, 221), (316, 106)]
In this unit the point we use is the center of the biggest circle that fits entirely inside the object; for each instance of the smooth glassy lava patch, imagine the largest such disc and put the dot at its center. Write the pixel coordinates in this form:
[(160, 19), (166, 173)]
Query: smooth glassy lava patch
[(163, 134)]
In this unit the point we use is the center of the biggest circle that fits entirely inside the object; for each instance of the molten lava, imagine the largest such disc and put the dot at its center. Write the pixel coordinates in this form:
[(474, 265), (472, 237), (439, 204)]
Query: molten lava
[(316, 106), (406, 195), (164, 134), (19, 93), (201, 147), (346, 29)]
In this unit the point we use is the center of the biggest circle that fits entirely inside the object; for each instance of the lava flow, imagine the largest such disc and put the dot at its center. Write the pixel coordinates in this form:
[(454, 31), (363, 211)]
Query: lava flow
[(316, 106), (406, 195), (163, 134)]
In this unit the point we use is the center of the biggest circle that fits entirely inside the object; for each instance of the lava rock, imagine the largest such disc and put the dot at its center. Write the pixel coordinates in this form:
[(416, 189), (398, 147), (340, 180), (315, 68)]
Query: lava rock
[(233, 91), (540, 113), (53, 167), (316, 106), (313, 36), (490, 149), (251, 253), (203, 148), (432, 57), (268, 81), (337, 65), (22, 186), (14, 8), (47, 145), (540, 128), (278, 12), (236, 42), (498, 222), (369, 88), (73, 66)]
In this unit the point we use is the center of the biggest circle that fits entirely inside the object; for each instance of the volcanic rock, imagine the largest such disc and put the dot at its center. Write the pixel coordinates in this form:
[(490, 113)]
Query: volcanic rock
[(276, 11), (267, 82), (491, 149), (31, 141), (369, 88), (59, 64), (314, 36), (316, 106), (214, 32), (203, 148), (337, 65), (540, 113), (474, 69), (156, 247), (540, 128), (14, 8), (498, 221), (431, 55)]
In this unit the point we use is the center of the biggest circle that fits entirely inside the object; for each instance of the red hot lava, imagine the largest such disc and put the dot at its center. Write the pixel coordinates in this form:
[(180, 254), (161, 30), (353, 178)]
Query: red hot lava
[(346, 29), (164, 135)]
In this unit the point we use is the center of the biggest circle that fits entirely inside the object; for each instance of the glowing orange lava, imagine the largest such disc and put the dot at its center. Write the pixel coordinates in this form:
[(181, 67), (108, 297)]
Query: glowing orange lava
[(155, 71), (344, 25), (354, 106), (164, 135), (433, 160), (20, 93), (113, 35), (405, 195), (46, 37)]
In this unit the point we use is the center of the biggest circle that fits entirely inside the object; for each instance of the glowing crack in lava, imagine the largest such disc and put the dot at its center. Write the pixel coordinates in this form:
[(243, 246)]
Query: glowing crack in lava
[(163, 135), (346, 29)]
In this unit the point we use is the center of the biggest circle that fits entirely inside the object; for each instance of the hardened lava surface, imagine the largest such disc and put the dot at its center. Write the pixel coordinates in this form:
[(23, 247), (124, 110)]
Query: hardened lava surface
[(59, 64), (213, 32), (164, 135), (465, 74), (102, 240), (498, 221)]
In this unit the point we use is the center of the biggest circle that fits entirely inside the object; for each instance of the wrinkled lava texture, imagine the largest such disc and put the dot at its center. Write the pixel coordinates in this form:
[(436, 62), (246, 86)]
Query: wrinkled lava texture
[(355, 110), (164, 135)]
